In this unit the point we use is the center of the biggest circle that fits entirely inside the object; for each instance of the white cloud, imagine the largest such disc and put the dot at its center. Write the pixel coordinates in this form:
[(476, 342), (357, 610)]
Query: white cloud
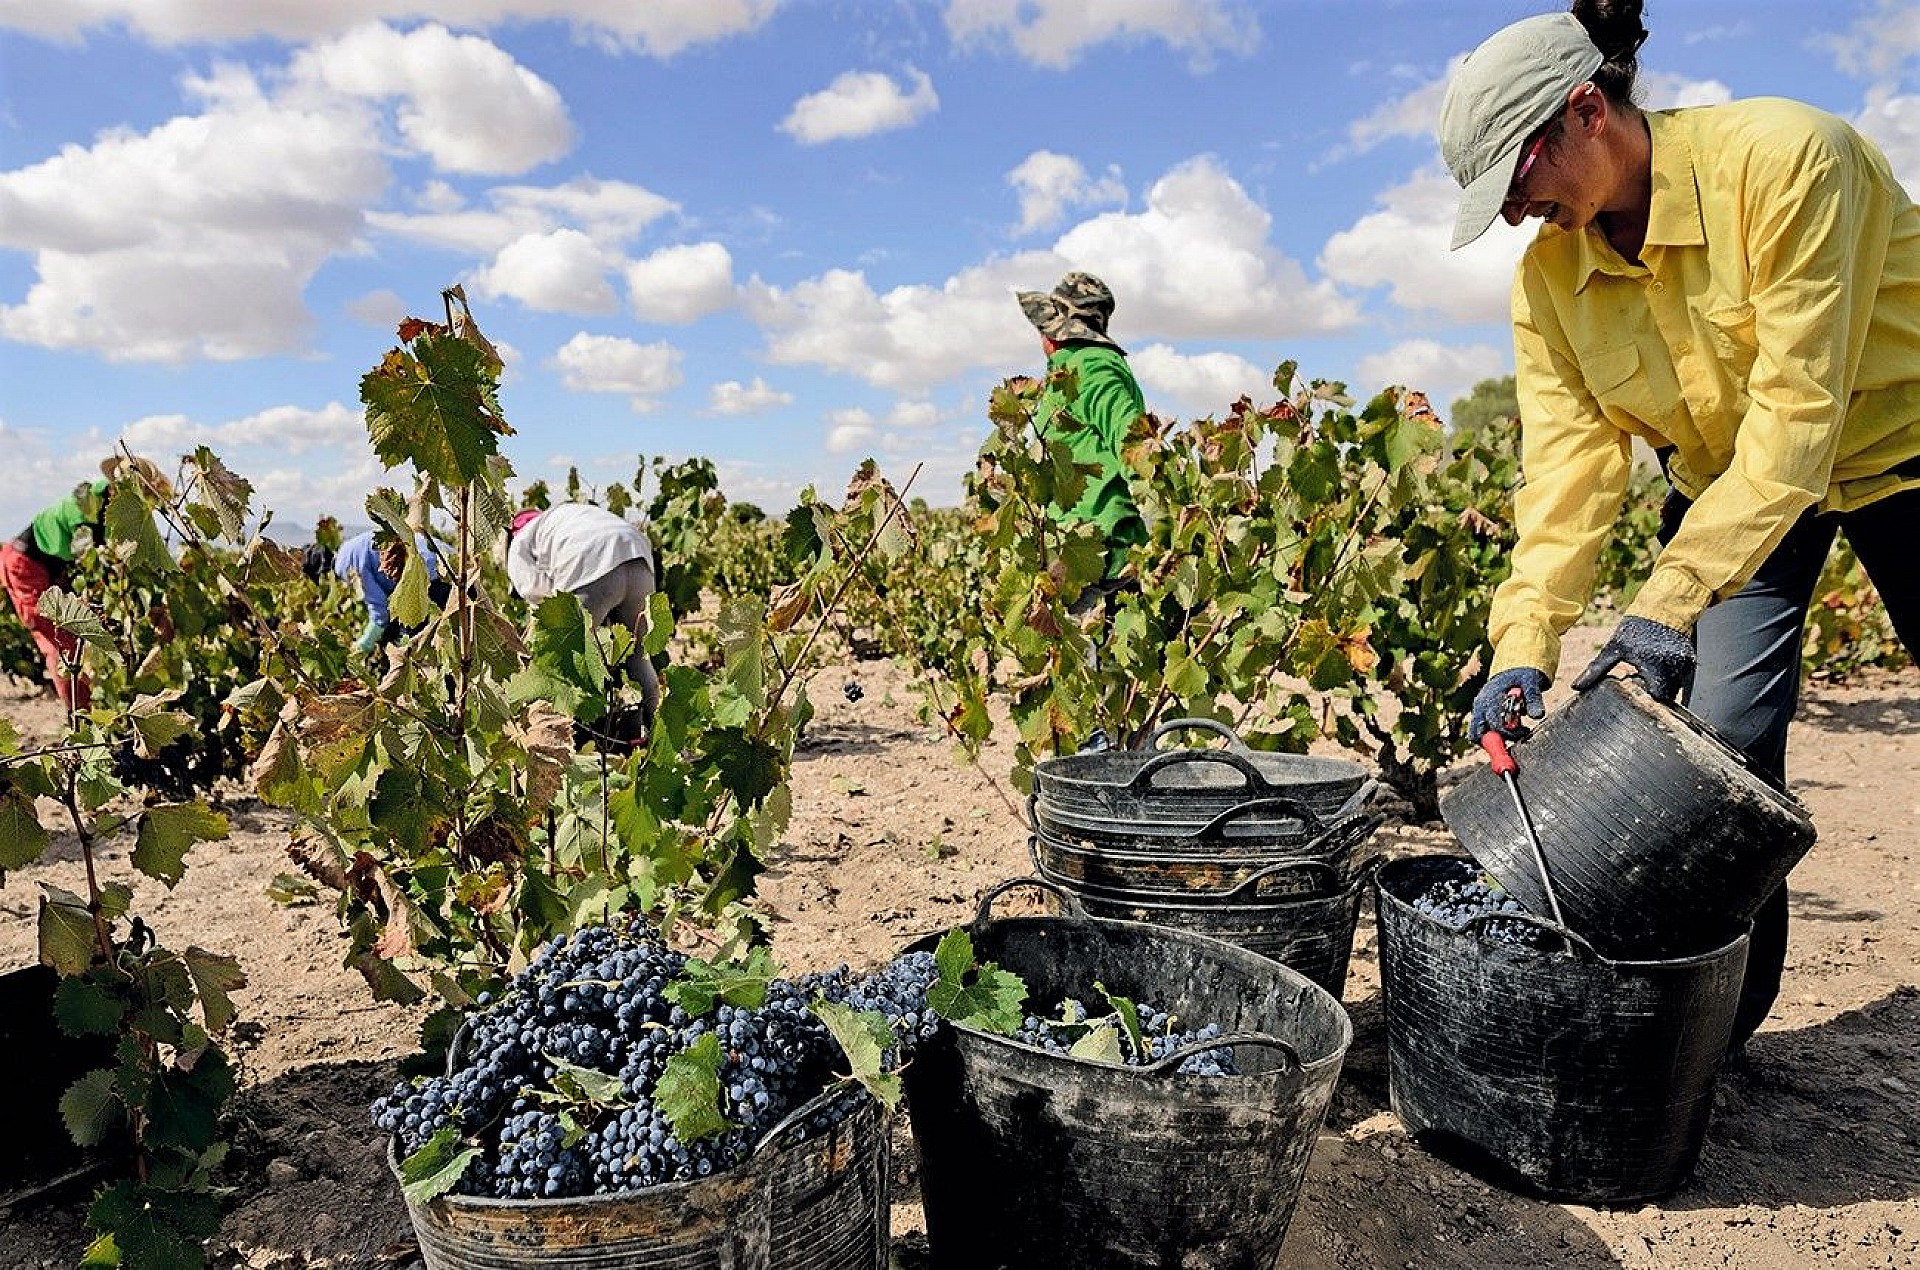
[(1049, 184), (196, 239), (855, 426), (735, 398), (609, 363), (681, 284), (859, 104), (381, 307), (559, 272), (1879, 44), (1445, 373), (1180, 385), (463, 102), (1195, 264), (660, 28), (1416, 114), (1053, 33), (280, 429), (609, 212), (1403, 246), (1664, 91), (1893, 122)]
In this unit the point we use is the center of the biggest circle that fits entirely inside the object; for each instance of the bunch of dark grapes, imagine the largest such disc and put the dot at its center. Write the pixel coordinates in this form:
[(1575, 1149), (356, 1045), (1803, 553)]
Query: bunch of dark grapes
[(1462, 894), (852, 690), (598, 1000), (1159, 1029)]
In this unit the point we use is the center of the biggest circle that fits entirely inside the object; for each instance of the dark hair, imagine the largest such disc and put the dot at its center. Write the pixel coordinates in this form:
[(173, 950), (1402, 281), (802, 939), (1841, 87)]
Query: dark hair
[(316, 561), (1615, 28)]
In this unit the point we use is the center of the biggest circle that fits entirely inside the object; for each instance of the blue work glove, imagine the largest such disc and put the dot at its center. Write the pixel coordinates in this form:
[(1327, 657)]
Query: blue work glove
[(1490, 710), (1662, 656), (370, 637)]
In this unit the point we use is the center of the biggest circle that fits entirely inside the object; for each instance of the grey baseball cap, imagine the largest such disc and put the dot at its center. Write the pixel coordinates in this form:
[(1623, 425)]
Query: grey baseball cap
[(1513, 83)]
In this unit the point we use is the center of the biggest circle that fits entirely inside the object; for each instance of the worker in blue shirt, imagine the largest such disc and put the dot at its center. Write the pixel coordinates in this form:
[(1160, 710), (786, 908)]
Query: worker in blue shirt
[(361, 558)]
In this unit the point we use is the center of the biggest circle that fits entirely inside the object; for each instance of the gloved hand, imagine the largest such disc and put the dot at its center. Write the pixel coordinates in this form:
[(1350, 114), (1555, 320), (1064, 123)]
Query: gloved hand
[(369, 638), (1490, 703), (1662, 656)]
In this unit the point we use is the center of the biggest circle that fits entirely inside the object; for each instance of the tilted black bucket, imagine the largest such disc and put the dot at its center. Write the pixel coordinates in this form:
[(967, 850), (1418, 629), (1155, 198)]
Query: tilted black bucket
[(1210, 863), (1038, 1159), (813, 1196), (1656, 833), (1588, 1079), (1133, 790), (1305, 922)]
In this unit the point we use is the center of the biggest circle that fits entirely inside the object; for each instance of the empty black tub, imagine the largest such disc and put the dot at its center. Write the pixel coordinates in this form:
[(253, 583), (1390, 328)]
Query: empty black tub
[(1182, 789), (1306, 921), (1589, 1079), (1657, 835), (1032, 1159)]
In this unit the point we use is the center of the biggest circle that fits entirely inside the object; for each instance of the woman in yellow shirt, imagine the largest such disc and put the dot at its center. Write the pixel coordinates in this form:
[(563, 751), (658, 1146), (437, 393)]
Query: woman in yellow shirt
[(1737, 285)]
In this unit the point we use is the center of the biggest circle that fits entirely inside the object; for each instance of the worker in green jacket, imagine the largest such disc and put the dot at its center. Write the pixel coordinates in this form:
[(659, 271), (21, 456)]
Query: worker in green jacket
[(41, 556), (1072, 321)]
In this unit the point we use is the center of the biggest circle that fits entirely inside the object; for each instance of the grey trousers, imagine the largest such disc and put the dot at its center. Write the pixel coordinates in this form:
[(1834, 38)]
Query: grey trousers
[(1747, 683), (621, 596)]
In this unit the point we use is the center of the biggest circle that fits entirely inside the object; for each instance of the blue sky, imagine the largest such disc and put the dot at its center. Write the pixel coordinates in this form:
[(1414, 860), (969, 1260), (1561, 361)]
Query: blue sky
[(779, 233)]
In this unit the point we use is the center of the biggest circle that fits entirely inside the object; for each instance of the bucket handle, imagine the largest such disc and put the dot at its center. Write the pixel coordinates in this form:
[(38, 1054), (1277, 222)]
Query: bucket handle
[(1067, 901), (1163, 759), (1215, 830), (1220, 730), (1571, 944), (1359, 800), (1250, 885), (1170, 1065)]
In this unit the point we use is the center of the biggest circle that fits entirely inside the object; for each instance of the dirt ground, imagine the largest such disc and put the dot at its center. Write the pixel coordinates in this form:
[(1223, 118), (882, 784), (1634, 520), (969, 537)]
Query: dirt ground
[(1812, 1157)]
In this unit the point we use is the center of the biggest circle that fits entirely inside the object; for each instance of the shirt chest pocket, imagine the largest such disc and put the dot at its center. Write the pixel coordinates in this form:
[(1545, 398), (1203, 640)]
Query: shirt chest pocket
[(1618, 379)]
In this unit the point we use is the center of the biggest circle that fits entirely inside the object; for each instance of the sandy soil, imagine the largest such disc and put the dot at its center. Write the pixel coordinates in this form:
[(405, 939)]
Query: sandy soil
[(1812, 1157)]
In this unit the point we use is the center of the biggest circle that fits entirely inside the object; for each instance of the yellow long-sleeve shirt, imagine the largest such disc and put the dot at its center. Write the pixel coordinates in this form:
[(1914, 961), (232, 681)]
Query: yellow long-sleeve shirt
[(1770, 334)]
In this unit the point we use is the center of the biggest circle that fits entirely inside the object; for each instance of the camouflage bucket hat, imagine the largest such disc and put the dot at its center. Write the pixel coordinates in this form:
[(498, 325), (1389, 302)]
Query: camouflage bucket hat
[(1074, 312)]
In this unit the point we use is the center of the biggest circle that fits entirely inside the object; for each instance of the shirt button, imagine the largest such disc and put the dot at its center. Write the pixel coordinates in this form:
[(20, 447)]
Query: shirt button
[(1682, 347), (1659, 286)]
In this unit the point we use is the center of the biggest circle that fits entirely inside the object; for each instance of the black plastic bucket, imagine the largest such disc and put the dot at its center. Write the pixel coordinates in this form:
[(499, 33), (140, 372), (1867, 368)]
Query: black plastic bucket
[(38, 1062), (1584, 1078), (1308, 930), (815, 1202), (1206, 864), (1036, 1159), (1656, 833), (1185, 788), (832, 1202)]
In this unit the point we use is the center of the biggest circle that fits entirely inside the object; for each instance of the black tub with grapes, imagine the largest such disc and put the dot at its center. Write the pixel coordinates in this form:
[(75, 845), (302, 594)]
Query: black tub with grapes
[(1031, 1158), (1516, 1048)]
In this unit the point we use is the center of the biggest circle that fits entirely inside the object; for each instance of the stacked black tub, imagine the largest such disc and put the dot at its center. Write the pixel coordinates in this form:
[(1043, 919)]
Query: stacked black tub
[(1259, 849), (1582, 1063)]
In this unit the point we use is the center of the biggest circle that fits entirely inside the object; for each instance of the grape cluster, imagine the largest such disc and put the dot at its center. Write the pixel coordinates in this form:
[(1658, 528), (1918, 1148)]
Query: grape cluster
[(1462, 893), (1159, 1029), (852, 690), (598, 1000)]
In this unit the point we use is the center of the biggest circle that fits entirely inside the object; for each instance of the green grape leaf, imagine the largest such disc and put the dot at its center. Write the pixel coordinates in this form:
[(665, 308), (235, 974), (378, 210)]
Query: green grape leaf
[(688, 1091), (751, 768), (585, 1085), (436, 408), (155, 725), (223, 493), (70, 614), (704, 984), (864, 1036), (130, 520), (22, 839), (436, 1167), (168, 832), (565, 665), (409, 603), (9, 737), (84, 1007), (152, 1227), (183, 1107), (90, 1107), (214, 976), (1129, 1019), (979, 996), (67, 938), (1101, 1044)]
